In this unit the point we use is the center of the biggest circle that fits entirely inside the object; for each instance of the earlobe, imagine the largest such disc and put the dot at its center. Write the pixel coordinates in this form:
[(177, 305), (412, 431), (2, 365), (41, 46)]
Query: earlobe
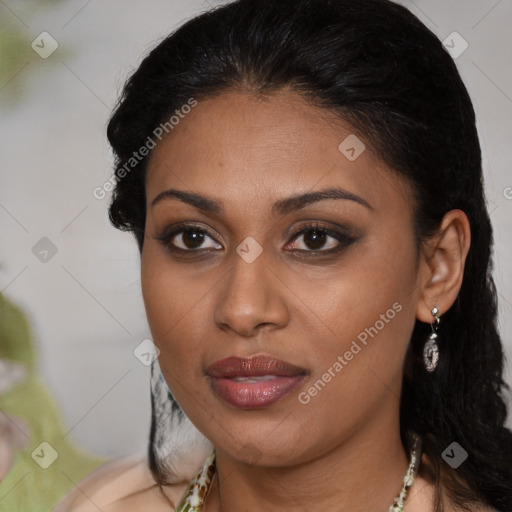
[(443, 260)]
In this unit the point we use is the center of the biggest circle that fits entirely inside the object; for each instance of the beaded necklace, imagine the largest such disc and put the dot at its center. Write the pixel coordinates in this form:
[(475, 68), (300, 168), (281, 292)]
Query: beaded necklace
[(193, 499)]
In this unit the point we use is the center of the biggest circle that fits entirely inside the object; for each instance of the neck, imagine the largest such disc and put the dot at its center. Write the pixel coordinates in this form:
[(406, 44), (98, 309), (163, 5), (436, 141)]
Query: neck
[(364, 473)]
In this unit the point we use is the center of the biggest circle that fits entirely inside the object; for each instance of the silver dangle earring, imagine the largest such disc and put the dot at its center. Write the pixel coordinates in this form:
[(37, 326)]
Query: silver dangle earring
[(431, 350)]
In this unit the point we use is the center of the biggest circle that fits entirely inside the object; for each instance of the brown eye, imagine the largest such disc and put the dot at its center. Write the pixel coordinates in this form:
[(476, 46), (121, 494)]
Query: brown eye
[(318, 239), (315, 239), (188, 239)]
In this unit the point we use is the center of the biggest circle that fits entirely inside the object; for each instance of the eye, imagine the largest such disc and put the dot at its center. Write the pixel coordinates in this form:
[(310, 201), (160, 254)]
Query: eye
[(315, 238), (187, 238)]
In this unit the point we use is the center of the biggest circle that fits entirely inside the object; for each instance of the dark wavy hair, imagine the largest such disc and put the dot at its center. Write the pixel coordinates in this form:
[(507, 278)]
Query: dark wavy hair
[(376, 65)]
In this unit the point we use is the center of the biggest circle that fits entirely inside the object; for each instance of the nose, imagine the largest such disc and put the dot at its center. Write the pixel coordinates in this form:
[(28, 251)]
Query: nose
[(251, 298)]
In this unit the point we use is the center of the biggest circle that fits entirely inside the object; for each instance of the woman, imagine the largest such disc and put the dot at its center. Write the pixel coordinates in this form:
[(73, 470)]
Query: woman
[(303, 179)]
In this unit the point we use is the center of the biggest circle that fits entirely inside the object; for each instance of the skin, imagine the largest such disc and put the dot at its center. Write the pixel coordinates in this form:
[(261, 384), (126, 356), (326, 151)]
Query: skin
[(248, 152), (341, 450)]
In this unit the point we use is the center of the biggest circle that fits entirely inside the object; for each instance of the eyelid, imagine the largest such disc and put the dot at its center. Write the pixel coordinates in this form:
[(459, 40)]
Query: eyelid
[(326, 226), (167, 233), (344, 235)]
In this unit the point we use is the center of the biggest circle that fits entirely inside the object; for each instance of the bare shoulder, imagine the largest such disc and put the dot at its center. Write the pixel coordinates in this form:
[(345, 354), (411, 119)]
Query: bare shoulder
[(126, 485)]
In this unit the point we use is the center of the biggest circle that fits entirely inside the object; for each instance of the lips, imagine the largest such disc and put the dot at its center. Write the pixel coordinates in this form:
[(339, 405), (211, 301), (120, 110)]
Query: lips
[(253, 383), (253, 367)]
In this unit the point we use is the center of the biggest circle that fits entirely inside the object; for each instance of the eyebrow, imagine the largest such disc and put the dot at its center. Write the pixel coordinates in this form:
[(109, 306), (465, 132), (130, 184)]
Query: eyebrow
[(280, 207)]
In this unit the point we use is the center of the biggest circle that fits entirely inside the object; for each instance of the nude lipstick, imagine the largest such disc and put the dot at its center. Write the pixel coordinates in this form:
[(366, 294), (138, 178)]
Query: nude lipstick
[(253, 383)]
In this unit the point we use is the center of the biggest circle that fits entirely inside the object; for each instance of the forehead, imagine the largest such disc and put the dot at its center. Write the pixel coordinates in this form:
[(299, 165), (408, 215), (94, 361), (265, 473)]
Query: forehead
[(238, 144)]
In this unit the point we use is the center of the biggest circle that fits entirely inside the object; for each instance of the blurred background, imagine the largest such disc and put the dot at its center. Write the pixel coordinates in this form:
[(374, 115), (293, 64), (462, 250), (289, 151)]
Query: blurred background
[(75, 278)]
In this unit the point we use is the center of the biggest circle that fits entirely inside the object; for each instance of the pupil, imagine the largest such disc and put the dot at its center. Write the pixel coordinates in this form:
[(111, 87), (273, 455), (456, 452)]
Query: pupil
[(315, 239), (193, 239)]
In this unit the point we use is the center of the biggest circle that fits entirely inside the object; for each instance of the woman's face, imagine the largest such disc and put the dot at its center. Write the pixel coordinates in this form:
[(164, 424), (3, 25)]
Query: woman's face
[(329, 286)]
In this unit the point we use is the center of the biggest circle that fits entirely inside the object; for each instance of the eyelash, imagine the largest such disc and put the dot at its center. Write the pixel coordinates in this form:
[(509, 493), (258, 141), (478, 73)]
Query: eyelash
[(344, 239)]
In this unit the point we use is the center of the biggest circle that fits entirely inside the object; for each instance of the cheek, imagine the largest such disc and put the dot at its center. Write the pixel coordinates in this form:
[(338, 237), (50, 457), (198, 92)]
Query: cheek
[(367, 287), (167, 304), (177, 303), (370, 312), (357, 372)]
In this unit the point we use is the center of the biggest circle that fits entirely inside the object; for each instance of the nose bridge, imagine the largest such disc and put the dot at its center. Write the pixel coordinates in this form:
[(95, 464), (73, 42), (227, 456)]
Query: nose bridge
[(251, 294)]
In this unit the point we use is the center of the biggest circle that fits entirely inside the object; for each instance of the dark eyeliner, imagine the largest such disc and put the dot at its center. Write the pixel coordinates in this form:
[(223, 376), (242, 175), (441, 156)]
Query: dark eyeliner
[(165, 236), (342, 237)]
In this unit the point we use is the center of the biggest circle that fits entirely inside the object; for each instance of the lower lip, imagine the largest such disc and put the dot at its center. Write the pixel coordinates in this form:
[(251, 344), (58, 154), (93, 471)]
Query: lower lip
[(247, 395)]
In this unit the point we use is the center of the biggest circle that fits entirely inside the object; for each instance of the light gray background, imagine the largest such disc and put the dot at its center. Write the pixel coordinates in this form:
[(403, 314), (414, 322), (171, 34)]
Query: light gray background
[(85, 304)]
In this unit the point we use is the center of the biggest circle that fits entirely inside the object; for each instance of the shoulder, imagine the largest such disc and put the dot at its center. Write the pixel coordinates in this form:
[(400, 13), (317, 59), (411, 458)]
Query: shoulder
[(124, 484)]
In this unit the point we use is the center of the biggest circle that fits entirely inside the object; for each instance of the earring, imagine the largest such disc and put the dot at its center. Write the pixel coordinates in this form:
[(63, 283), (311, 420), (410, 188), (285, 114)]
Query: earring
[(431, 350)]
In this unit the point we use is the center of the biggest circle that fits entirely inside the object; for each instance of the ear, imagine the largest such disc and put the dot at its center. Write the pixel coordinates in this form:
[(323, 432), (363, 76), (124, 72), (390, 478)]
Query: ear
[(442, 265)]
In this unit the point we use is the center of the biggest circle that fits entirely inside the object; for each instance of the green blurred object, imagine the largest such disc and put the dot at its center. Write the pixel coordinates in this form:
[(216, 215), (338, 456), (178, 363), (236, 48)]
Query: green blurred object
[(28, 487), (19, 63)]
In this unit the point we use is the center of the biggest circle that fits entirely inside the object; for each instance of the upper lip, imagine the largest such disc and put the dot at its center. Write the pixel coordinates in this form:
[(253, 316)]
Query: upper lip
[(252, 367)]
